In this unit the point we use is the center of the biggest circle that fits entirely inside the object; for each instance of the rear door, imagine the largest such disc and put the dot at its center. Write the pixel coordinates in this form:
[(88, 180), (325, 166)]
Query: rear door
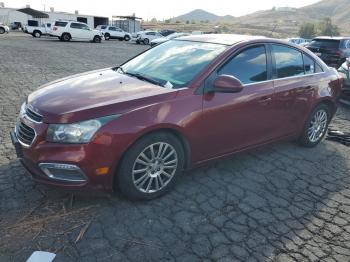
[(295, 81)]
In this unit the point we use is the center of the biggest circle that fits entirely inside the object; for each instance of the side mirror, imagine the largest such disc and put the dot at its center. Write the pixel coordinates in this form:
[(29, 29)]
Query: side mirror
[(227, 84)]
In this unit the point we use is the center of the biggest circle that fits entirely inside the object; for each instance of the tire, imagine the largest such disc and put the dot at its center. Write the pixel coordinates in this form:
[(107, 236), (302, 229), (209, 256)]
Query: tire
[(66, 37), (312, 135), (137, 42), (143, 185), (97, 39), (37, 34), (146, 41), (127, 38), (2, 31), (107, 37)]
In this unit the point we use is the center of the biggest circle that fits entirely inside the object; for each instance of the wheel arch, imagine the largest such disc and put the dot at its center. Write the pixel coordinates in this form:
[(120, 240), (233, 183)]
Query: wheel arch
[(168, 129), (330, 104)]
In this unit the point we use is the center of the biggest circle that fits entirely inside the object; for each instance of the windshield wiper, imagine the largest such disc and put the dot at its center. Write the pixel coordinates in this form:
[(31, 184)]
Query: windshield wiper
[(144, 78)]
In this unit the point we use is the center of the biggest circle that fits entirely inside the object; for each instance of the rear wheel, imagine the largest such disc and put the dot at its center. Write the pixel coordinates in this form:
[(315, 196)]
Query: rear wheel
[(107, 36), (2, 31), (37, 34), (146, 41), (66, 37), (126, 38), (97, 39), (151, 166), (316, 126)]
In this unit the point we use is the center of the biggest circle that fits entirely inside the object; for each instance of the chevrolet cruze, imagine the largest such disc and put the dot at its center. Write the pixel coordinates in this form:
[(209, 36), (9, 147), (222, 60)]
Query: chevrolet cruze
[(138, 126)]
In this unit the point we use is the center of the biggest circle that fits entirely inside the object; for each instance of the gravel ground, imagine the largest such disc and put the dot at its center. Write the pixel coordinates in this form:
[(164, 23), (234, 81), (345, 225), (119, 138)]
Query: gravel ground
[(277, 203)]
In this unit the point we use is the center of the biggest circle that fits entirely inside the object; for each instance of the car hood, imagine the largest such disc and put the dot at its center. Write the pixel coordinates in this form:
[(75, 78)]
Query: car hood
[(94, 94)]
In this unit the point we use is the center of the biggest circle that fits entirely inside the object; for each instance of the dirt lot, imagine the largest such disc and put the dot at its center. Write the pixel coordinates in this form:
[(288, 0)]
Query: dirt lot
[(280, 203)]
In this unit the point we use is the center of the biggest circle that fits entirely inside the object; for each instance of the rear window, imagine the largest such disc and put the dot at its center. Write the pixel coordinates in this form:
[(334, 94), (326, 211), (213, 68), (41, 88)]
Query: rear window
[(103, 27), (61, 24), (325, 43)]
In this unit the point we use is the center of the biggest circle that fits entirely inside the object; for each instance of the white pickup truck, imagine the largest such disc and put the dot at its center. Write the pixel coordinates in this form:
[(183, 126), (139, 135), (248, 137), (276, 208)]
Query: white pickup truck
[(38, 31)]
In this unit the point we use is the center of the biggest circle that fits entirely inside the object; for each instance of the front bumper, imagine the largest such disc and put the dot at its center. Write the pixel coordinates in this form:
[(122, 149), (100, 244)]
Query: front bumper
[(69, 166)]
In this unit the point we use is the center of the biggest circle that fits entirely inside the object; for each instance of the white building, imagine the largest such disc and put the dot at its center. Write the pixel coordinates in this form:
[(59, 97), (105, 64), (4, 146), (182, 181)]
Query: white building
[(11, 15)]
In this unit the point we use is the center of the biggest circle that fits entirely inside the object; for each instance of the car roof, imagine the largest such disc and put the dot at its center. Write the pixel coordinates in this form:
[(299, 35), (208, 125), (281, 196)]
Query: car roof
[(224, 39)]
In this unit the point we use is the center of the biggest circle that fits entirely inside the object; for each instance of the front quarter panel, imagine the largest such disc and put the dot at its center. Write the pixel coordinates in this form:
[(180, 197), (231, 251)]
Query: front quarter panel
[(180, 114)]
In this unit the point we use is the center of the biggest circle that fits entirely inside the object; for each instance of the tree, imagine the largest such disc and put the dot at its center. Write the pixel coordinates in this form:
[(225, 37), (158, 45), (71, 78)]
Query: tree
[(326, 28), (307, 30)]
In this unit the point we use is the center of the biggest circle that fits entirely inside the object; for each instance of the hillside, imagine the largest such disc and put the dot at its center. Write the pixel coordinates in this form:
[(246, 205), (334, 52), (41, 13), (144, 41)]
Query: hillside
[(201, 15), (276, 22), (289, 21)]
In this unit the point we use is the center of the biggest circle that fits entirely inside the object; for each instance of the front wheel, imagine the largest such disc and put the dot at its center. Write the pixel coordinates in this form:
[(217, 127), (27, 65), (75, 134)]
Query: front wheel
[(316, 126), (2, 31), (37, 34), (151, 166), (107, 37), (126, 38)]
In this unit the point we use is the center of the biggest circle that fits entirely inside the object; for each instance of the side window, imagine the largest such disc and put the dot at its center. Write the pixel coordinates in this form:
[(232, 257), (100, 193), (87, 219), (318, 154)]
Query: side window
[(61, 24), (85, 27), (111, 28), (309, 65), (249, 66), (289, 62), (151, 33), (76, 25), (103, 27)]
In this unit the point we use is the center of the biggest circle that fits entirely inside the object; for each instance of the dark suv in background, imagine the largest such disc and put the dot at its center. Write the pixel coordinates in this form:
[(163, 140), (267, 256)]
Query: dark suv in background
[(332, 50)]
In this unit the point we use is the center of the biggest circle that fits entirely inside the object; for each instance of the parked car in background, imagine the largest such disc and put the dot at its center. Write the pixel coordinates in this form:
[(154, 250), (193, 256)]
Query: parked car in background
[(158, 41), (332, 50), (4, 29), (16, 26), (71, 30), (146, 37), (166, 32), (137, 126), (298, 40), (113, 32), (38, 31), (344, 70)]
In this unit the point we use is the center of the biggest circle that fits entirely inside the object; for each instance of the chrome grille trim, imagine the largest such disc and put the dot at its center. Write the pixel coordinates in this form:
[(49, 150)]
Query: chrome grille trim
[(32, 115), (25, 134)]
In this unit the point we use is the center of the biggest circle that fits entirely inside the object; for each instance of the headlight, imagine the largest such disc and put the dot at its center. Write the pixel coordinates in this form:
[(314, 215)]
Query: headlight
[(81, 132)]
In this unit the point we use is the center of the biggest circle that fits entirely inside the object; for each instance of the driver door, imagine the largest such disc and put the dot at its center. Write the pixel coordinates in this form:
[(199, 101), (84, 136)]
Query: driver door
[(235, 121)]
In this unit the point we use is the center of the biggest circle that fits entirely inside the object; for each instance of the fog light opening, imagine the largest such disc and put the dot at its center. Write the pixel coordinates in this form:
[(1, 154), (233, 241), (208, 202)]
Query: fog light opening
[(63, 172)]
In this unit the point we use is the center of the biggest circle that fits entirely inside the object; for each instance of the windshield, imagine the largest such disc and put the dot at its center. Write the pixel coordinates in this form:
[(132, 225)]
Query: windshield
[(174, 63), (325, 43)]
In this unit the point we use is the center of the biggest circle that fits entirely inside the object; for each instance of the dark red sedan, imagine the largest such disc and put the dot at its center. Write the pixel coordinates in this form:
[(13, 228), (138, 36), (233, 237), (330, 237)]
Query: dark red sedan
[(137, 126)]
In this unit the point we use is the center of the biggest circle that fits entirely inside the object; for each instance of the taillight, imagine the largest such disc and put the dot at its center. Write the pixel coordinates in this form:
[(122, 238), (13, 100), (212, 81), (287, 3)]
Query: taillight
[(54, 28)]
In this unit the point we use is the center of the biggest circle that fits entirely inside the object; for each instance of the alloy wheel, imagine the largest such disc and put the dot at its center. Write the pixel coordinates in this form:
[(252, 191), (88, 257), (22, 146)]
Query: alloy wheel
[(318, 126), (154, 167)]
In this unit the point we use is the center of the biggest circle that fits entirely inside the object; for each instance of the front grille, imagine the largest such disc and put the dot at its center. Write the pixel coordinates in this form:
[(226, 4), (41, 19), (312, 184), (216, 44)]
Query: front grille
[(33, 116), (25, 134)]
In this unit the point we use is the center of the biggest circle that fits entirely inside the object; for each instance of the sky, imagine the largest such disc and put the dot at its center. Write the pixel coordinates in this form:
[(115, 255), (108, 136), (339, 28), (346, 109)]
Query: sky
[(159, 9)]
